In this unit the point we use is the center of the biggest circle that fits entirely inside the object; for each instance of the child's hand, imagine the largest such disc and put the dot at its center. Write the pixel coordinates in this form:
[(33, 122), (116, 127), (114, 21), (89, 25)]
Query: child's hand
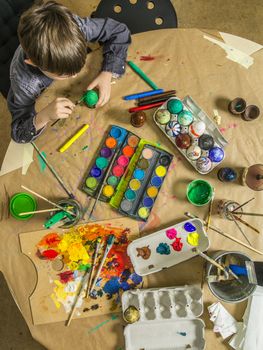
[(103, 83), (59, 108)]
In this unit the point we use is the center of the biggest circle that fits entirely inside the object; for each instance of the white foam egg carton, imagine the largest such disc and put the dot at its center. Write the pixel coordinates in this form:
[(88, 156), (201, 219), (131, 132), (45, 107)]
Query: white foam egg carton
[(147, 264), (211, 128), (168, 318)]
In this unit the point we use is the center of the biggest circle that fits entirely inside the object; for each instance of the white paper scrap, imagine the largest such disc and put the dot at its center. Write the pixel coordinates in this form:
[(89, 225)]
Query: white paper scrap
[(224, 323), (246, 46), (232, 53)]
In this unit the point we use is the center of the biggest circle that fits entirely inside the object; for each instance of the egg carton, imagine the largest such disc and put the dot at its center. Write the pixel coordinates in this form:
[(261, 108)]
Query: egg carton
[(145, 254), (199, 115), (168, 318)]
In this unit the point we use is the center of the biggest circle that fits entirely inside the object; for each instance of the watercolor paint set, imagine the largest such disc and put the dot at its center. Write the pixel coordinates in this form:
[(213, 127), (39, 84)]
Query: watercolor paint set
[(131, 171), (192, 132), (166, 316), (168, 247)]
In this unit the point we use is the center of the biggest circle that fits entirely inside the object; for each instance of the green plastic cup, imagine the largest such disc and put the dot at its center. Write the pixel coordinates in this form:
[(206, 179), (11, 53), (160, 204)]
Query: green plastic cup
[(199, 192), (22, 202)]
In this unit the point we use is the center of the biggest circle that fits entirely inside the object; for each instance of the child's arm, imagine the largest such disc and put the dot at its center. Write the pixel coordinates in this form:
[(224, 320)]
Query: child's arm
[(26, 123), (115, 38)]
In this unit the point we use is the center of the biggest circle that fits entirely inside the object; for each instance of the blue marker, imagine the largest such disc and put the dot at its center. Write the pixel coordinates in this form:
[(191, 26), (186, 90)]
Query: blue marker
[(142, 94)]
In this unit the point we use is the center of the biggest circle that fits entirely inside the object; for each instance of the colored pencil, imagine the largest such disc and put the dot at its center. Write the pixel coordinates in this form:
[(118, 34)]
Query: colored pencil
[(239, 228), (109, 245), (94, 263), (73, 138), (159, 99), (142, 108), (242, 205), (47, 200), (50, 167), (246, 223), (138, 70), (165, 93), (103, 183), (142, 94), (249, 214), (191, 216), (83, 285)]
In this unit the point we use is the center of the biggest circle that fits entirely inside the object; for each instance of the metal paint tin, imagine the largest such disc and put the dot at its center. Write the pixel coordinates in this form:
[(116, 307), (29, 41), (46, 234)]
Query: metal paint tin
[(77, 209), (230, 291)]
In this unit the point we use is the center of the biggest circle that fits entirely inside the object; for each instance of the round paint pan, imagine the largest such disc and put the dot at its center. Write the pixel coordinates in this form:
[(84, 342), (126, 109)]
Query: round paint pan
[(230, 291), (22, 202)]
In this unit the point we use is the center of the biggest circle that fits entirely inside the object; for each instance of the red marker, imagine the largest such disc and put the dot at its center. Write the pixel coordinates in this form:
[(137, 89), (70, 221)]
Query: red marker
[(142, 108)]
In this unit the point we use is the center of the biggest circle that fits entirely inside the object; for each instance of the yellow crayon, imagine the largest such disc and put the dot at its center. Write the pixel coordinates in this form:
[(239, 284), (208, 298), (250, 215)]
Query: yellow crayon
[(73, 138)]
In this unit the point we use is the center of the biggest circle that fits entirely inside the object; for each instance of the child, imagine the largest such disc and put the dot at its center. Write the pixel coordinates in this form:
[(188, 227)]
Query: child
[(53, 46)]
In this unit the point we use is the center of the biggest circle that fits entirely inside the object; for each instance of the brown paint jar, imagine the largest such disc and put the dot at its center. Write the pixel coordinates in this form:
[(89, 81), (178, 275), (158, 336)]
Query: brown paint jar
[(237, 106), (252, 112)]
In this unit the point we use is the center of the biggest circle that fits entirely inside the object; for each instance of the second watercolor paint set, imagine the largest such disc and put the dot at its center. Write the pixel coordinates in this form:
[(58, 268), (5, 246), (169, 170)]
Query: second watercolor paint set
[(131, 171)]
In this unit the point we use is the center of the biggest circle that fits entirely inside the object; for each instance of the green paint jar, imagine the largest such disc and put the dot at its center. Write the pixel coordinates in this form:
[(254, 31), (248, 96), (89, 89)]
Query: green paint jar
[(199, 192), (21, 203), (90, 98)]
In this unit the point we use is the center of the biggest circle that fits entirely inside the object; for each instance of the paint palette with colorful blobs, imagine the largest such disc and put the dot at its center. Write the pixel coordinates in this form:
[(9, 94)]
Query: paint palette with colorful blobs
[(192, 132), (167, 247), (145, 182), (117, 140), (178, 307)]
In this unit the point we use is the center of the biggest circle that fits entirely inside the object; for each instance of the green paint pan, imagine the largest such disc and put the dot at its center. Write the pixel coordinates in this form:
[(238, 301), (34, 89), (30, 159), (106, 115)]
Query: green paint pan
[(22, 202), (199, 192)]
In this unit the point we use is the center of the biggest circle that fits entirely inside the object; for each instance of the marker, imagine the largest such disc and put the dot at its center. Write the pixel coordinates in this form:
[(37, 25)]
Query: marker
[(73, 138), (142, 75), (155, 99), (163, 94), (142, 108), (142, 94)]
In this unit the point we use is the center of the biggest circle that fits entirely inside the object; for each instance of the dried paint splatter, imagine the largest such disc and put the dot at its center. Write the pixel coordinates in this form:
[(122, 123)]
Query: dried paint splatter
[(112, 318)]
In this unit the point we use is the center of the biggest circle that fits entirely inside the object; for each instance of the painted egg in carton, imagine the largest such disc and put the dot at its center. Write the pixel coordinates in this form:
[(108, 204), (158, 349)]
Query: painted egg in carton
[(192, 132), (167, 247), (173, 310)]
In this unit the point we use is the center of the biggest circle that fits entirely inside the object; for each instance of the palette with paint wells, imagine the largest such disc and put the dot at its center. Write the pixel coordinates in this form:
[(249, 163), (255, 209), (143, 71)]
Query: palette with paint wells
[(168, 247), (192, 132), (135, 177), (167, 316), (122, 142), (143, 185)]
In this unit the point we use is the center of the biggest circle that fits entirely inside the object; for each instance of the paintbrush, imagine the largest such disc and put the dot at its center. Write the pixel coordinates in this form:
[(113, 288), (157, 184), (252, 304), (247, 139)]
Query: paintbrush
[(215, 263), (94, 262), (50, 167), (239, 228), (47, 200), (246, 223), (249, 214), (192, 216), (242, 205), (83, 285), (208, 222), (42, 211), (110, 242), (103, 183)]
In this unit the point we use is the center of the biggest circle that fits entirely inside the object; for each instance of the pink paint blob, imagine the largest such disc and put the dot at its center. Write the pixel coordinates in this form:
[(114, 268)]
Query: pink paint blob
[(171, 233), (177, 244), (123, 161)]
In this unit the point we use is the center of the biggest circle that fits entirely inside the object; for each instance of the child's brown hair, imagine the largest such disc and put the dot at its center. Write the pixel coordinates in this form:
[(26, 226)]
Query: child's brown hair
[(51, 38)]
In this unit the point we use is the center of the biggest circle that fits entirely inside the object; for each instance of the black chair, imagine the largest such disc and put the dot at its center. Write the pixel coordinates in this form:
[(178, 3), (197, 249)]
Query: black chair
[(139, 15), (9, 18)]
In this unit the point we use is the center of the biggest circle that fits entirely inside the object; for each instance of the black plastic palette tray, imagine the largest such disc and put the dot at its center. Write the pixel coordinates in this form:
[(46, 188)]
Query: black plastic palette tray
[(189, 105), (145, 183), (117, 140)]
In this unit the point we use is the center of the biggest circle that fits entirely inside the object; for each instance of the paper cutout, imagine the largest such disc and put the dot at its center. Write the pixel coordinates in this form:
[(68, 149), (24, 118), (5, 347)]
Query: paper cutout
[(232, 53), (17, 156), (246, 46)]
